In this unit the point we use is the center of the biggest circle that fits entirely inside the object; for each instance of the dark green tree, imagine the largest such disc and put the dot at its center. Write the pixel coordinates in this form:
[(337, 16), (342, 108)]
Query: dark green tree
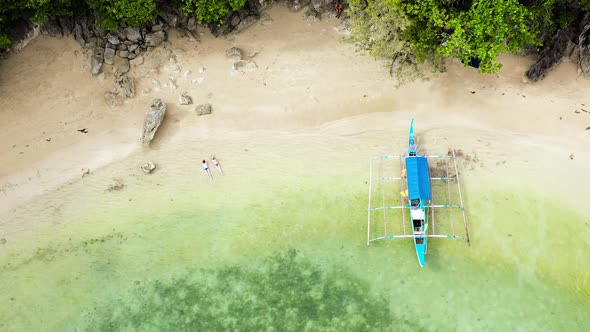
[(111, 13), (211, 11)]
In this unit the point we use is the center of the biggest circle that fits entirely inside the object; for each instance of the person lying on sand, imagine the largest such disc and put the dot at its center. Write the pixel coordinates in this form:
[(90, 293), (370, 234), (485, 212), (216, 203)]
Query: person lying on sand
[(216, 164), (206, 168)]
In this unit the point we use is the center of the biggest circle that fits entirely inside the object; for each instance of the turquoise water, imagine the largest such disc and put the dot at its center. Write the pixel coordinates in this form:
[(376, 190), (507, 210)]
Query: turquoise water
[(287, 253)]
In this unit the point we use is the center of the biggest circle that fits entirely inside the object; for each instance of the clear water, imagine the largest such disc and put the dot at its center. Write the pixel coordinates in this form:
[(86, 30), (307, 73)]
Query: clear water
[(282, 247)]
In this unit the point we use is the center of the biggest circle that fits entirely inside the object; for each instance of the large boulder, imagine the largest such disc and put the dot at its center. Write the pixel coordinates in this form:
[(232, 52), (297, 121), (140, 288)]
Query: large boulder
[(132, 34), (67, 25), (96, 65), (52, 28), (155, 38), (246, 22), (109, 55), (153, 120)]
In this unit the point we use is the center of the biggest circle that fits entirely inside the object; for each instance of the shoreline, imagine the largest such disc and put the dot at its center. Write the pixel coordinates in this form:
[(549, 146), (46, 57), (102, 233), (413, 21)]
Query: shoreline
[(316, 93)]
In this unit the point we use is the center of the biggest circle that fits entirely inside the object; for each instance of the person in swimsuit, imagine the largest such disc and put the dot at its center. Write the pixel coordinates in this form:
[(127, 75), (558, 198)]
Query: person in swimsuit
[(216, 164), (206, 169)]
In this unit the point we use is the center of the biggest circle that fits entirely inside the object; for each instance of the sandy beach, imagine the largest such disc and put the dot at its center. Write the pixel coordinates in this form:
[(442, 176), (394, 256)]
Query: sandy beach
[(303, 124)]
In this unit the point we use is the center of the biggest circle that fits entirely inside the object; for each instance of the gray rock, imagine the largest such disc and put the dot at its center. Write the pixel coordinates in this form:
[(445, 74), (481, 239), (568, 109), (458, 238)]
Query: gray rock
[(155, 39), (109, 55), (137, 61), (234, 54), (585, 60), (52, 28), (96, 65), (132, 34), (246, 22), (296, 5), (203, 109), (120, 66), (148, 167), (100, 32), (260, 5), (123, 54), (156, 28), (191, 24), (185, 99), (132, 47), (113, 39), (67, 25), (265, 19), (153, 120), (244, 66), (121, 47), (78, 34), (125, 86), (312, 16)]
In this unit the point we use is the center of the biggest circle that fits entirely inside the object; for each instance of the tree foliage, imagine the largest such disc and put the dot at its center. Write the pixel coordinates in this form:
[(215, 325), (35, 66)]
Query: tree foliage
[(111, 13), (418, 32), (211, 11)]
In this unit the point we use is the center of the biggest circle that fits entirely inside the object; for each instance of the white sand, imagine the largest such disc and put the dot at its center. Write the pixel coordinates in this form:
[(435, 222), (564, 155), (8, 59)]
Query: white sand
[(308, 83)]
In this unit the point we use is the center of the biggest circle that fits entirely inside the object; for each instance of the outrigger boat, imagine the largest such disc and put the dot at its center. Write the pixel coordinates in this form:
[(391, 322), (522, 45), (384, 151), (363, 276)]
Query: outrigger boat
[(416, 196)]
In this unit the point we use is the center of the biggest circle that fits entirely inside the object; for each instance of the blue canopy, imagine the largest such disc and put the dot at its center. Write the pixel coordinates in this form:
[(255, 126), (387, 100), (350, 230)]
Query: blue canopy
[(418, 178)]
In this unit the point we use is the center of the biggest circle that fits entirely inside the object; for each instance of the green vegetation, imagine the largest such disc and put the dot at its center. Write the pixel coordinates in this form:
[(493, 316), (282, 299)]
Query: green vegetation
[(418, 32), (282, 293), (209, 11), (411, 33), (111, 13)]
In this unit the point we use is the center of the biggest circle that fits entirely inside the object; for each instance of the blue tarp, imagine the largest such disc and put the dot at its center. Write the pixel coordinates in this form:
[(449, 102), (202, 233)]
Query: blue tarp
[(418, 178)]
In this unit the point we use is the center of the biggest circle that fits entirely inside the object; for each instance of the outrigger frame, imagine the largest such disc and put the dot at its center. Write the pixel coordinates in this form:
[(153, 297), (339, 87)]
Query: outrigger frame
[(431, 232)]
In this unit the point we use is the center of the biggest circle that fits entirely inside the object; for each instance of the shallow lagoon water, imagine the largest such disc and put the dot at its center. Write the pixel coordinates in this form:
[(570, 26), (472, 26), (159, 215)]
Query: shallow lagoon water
[(284, 248)]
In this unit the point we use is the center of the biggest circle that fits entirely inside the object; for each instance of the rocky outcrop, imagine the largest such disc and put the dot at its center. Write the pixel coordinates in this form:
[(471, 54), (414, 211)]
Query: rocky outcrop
[(153, 120), (572, 42)]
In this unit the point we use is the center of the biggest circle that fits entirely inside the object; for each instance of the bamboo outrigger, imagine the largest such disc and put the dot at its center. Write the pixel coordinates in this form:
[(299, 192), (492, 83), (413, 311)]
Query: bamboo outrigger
[(416, 196)]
